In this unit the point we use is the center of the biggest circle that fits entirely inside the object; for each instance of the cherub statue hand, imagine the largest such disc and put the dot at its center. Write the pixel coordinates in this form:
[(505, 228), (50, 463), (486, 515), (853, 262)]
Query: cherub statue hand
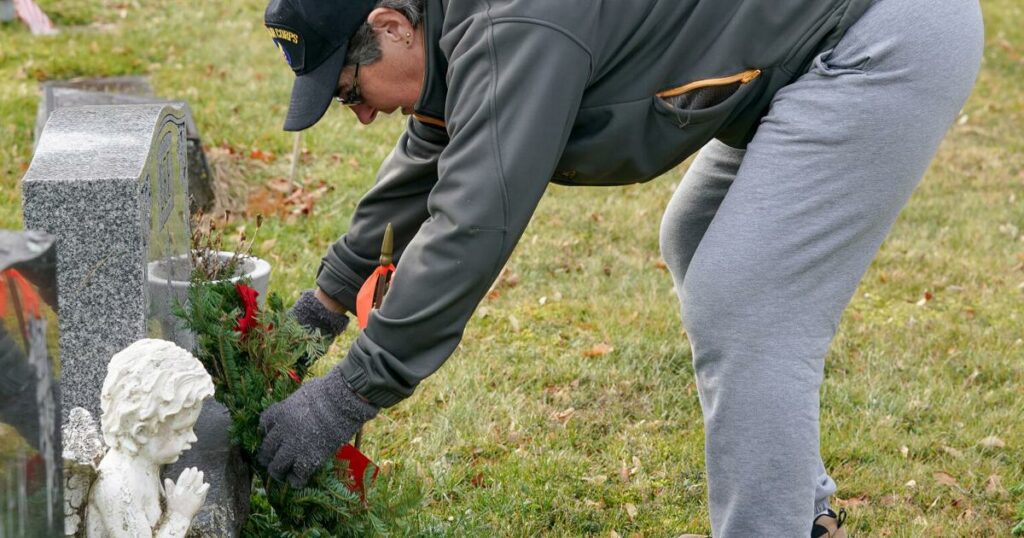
[(185, 497)]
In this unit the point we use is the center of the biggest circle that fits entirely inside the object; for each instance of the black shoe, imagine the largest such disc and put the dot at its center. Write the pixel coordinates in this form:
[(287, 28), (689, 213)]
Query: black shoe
[(829, 525)]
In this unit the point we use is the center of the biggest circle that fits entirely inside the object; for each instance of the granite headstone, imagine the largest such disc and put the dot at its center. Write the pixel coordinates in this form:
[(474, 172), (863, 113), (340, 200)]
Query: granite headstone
[(30, 450), (131, 91), (110, 183)]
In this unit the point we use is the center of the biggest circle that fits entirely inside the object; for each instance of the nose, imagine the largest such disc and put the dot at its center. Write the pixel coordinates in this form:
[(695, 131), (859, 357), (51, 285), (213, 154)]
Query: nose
[(365, 113), (192, 437)]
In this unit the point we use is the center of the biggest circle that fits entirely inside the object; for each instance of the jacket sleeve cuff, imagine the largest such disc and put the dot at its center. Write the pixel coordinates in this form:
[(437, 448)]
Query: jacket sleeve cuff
[(377, 375), (360, 382), (342, 273)]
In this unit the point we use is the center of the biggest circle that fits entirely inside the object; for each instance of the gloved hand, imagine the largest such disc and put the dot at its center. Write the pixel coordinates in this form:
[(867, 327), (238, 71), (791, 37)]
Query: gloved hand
[(312, 314), (302, 431)]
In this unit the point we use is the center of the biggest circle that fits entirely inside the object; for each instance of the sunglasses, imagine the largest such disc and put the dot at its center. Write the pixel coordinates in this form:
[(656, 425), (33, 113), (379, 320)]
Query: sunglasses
[(350, 97)]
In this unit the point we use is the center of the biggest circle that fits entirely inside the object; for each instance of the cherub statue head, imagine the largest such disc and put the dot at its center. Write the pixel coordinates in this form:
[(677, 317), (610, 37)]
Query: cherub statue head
[(151, 399), (153, 391)]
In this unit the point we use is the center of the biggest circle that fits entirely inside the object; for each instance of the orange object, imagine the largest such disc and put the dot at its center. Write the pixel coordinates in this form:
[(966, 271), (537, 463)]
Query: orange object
[(372, 293), (22, 290)]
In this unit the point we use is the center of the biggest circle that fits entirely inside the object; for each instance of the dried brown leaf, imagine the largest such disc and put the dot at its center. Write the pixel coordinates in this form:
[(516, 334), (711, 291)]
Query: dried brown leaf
[(945, 479), (992, 442), (860, 500), (563, 416), (953, 452), (994, 486), (260, 155), (599, 350)]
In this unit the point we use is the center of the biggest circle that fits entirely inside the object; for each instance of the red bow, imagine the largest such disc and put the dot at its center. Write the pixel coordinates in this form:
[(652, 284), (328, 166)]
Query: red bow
[(248, 319)]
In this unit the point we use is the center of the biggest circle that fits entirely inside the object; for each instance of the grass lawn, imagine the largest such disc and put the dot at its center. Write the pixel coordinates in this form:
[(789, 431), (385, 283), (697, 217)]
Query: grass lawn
[(570, 407)]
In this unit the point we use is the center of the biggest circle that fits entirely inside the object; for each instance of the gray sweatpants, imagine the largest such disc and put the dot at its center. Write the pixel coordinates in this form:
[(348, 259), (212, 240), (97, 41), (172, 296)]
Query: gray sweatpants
[(767, 245)]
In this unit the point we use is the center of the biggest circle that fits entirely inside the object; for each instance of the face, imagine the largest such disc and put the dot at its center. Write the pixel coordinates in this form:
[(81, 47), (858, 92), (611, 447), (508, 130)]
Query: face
[(173, 436), (395, 81)]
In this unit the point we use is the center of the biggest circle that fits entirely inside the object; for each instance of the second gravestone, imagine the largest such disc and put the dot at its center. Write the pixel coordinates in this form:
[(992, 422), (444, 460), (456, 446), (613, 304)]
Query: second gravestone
[(109, 182)]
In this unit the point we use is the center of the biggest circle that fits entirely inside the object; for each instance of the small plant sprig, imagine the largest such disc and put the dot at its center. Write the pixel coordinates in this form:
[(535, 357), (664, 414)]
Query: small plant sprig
[(208, 240)]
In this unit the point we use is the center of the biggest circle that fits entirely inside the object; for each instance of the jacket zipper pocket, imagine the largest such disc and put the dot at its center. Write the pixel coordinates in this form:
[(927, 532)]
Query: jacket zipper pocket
[(740, 78)]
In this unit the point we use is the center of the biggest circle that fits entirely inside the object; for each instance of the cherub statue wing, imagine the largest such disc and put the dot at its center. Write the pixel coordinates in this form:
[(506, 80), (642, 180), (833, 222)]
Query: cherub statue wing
[(82, 451)]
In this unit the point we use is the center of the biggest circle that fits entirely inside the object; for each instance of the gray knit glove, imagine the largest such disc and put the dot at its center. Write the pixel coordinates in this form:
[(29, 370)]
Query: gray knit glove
[(302, 431), (312, 314)]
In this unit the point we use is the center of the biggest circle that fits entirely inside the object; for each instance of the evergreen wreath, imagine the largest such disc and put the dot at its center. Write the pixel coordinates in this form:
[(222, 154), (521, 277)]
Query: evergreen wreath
[(258, 358)]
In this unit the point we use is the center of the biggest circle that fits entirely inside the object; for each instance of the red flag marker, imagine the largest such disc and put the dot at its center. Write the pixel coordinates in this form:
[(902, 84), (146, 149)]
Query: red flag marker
[(357, 465), (370, 296)]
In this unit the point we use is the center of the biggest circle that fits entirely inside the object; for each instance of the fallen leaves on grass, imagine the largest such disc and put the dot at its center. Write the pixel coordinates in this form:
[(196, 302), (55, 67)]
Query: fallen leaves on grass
[(992, 442), (598, 350), (994, 486), (260, 155), (285, 199), (852, 502), (507, 279), (631, 511), (563, 416), (893, 500), (625, 471), (953, 452), (945, 479)]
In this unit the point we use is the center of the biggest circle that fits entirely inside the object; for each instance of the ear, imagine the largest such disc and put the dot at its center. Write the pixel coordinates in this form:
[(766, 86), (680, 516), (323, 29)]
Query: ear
[(390, 25)]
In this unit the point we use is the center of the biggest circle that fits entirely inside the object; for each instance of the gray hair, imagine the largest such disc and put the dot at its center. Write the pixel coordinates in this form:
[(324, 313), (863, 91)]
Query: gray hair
[(363, 47)]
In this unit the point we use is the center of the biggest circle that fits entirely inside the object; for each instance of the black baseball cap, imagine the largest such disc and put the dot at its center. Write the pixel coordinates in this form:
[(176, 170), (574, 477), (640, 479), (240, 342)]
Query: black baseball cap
[(313, 35)]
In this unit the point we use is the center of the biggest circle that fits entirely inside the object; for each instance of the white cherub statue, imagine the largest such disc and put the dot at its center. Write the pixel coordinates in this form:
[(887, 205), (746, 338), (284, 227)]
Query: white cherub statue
[(151, 399)]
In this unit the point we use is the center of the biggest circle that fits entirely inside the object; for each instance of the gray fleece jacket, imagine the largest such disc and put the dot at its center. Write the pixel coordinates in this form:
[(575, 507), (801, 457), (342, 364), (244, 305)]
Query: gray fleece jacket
[(520, 93)]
